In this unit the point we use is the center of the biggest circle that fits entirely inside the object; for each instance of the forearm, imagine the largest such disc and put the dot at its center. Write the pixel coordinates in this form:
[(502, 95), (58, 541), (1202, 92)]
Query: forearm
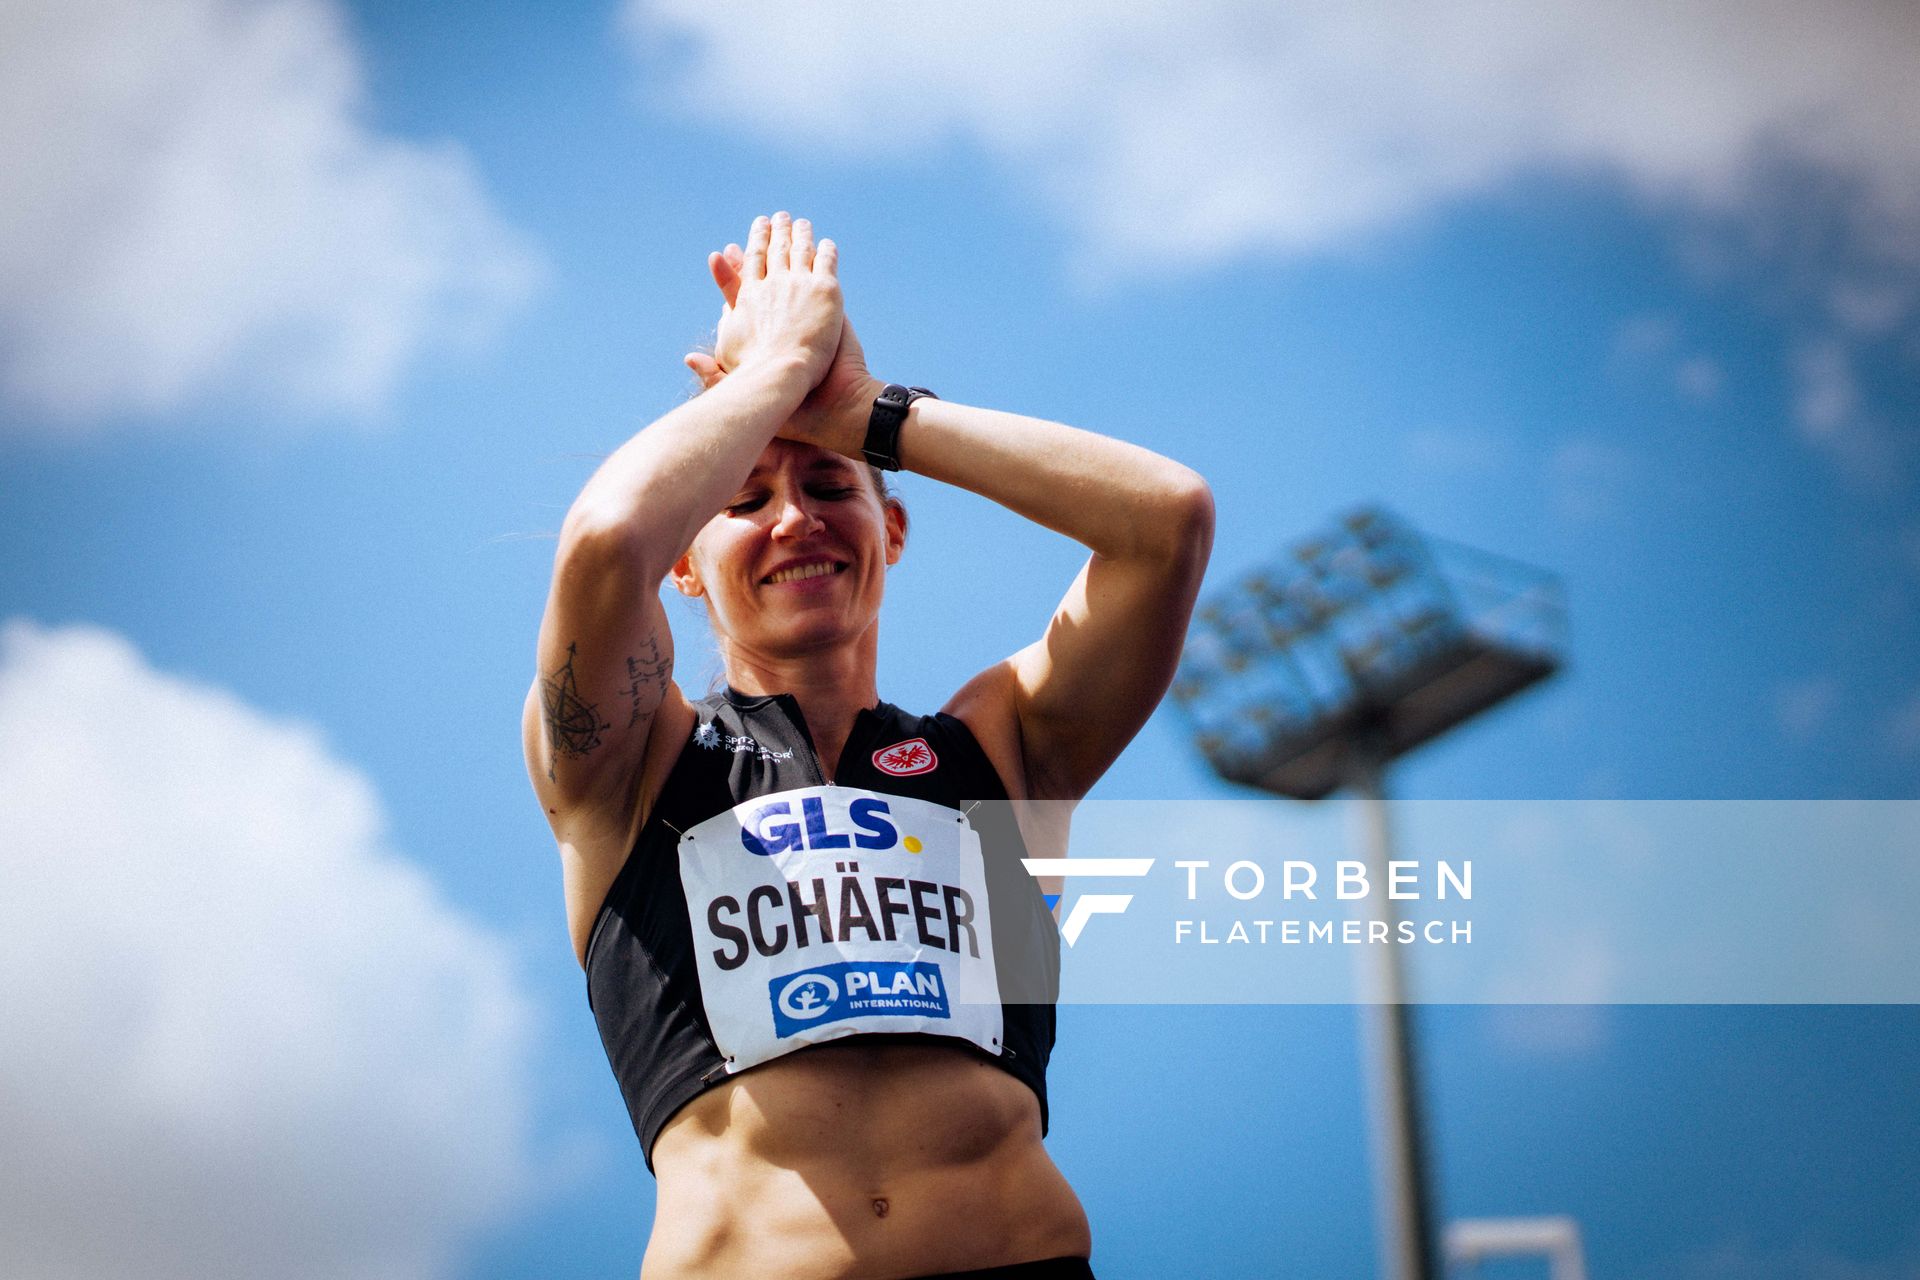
[(660, 487), (1115, 498)]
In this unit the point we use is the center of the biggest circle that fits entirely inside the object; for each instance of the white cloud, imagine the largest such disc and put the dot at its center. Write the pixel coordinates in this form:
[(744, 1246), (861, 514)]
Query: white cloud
[(1172, 135), (1903, 725), (1803, 707), (1699, 379), (1829, 396), (1548, 1031), (1178, 131), (1654, 341), (1588, 480), (1871, 308), (243, 1037), (1456, 451), (197, 207), (1646, 337), (1834, 415)]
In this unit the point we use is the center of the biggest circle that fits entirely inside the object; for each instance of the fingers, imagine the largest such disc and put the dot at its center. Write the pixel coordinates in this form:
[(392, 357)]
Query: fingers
[(726, 273), (780, 247), (754, 263), (802, 259), (779, 243), (704, 367)]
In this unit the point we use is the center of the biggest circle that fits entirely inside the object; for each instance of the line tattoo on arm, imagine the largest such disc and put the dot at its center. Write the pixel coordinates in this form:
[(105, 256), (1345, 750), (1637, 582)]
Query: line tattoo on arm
[(573, 726), (647, 672)]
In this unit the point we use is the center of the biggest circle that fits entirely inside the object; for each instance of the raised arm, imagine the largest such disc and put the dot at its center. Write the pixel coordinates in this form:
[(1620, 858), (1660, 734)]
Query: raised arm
[(1077, 695), (1066, 705), (605, 654)]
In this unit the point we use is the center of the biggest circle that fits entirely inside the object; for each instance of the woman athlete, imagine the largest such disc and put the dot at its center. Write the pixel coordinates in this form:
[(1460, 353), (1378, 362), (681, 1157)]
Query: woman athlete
[(799, 946)]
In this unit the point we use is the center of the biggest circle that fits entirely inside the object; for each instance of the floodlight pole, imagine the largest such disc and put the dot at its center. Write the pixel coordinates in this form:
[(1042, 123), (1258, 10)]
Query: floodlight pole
[(1404, 1212), (1309, 677)]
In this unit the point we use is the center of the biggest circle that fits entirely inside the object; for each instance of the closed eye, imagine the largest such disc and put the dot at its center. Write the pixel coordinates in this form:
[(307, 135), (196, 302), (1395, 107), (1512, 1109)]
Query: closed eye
[(825, 492)]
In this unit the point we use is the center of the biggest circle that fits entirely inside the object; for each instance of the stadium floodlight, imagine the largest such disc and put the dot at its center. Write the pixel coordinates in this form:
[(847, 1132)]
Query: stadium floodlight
[(1367, 640), (1315, 673)]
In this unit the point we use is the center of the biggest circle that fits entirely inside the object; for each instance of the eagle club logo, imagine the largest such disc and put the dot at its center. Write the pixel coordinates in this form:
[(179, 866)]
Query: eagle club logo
[(904, 759)]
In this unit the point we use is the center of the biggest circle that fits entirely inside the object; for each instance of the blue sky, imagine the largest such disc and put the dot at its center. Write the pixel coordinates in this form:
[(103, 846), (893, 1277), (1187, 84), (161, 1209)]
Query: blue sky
[(314, 317)]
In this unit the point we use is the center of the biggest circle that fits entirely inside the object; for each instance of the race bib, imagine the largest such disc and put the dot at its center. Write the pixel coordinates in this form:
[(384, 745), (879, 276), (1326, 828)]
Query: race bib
[(825, 912)]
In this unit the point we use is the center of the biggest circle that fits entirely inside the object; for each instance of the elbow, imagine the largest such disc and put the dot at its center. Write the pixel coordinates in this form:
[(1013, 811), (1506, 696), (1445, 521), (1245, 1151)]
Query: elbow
[(1184, 521), (589, 520), (594, 532), (601, 540)]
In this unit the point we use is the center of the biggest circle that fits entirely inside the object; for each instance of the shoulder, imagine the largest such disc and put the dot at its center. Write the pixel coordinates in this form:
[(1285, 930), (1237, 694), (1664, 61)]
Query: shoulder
[(985, 705), (613, 833), (597, 841)]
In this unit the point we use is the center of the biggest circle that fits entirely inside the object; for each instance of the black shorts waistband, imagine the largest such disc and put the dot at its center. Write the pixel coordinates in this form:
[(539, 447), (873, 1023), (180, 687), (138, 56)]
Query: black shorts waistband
[(1045, 1269)]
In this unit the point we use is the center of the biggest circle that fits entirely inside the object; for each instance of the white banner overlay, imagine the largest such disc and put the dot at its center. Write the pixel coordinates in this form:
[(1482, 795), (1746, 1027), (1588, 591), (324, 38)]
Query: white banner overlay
[(1528, 902)]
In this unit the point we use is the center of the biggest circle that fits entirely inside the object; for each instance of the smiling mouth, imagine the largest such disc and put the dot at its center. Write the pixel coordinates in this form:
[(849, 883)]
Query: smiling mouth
[(819, 569)]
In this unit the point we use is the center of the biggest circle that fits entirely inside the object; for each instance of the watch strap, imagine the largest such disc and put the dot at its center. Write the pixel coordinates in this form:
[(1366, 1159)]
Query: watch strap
[(882, 445)]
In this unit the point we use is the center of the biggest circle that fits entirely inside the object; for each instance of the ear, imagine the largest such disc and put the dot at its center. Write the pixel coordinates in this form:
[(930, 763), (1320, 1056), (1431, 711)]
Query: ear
[(896, 517), (684, 578)]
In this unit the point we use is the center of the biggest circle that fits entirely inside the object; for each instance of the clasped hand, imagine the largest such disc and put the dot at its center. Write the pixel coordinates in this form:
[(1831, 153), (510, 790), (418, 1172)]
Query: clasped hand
[(781, 300)]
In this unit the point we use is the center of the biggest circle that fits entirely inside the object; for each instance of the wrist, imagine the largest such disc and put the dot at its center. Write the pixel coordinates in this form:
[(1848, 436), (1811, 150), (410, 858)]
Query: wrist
[(850, 434), (785, 377), (888, 416)]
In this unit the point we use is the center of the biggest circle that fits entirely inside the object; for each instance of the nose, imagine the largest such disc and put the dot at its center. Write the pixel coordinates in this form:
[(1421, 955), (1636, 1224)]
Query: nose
[(796, 519)]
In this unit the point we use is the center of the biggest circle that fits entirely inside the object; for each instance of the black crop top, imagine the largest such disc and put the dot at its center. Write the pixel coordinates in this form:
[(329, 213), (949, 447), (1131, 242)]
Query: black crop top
[(763, 909)]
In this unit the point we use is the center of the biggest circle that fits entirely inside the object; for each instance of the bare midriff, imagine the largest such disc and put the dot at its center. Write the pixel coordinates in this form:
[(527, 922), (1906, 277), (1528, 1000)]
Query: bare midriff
[(879, 1161)]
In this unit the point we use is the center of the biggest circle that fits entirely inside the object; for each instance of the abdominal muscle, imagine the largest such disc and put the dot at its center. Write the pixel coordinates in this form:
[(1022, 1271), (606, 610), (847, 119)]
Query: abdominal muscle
[(847, 1160)]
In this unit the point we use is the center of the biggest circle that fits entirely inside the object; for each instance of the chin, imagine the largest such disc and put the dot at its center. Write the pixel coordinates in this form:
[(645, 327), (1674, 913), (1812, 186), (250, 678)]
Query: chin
[(811, 637)]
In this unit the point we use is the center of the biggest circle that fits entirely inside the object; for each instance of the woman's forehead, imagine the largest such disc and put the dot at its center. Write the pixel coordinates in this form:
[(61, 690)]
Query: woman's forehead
[(784, 455)]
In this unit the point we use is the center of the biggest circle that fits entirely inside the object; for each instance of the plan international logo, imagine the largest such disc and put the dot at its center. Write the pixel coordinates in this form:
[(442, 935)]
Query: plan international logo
[(867, 988)]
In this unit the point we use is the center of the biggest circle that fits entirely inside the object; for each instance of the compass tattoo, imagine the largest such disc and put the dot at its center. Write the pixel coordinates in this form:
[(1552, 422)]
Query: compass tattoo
[(573, 726)]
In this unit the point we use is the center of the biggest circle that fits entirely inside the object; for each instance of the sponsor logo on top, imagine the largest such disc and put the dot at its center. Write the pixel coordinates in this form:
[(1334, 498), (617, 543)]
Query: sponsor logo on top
[(905, 759), (775, 827), (870, 988), (708, 735)]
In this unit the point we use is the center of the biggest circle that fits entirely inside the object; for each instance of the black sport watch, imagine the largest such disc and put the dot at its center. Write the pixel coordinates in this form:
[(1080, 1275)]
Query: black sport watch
[(882, 446)]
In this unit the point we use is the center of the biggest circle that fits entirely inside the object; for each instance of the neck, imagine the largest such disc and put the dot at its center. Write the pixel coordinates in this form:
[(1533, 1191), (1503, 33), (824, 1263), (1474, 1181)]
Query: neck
[(832, 685)]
